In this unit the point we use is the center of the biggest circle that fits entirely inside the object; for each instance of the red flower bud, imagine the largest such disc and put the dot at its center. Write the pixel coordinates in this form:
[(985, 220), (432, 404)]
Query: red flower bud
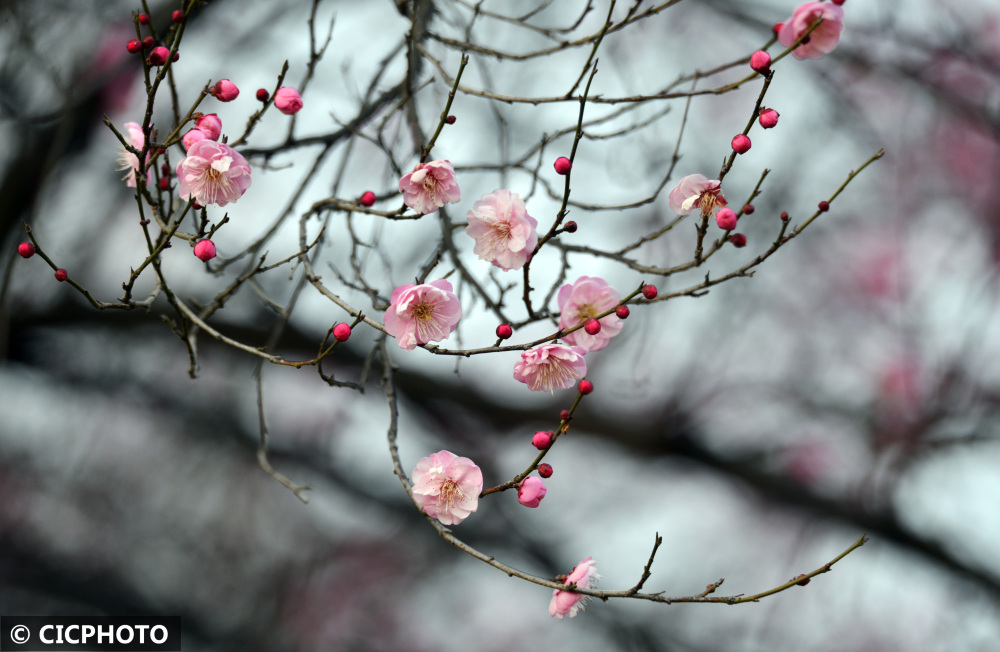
[(592, 326), (760, 61), (570, 227), (824, 206), (26, 250), (738, 240), (586, 387), (367, 198), (545, 470), (143, 19), (341, 332), (177, 16), (649, 291), (622, 312), (504, 331), (450, 119), (262, 95), (563, 165), (134, 46), (158, 56), (61, 275), (768, 118), (741, 144)]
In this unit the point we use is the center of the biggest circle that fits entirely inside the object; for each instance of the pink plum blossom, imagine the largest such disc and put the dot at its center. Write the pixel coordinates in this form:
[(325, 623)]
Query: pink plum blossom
[(419, 314), (587, 297), (696, 191), (192, 137), (504, 232), (210, 125), (224, 90), (430, 186), (126, 159), (823, 39), (447, 486), (549, 367), (566, 603), (531, 492), (213, 173), (287, 100)]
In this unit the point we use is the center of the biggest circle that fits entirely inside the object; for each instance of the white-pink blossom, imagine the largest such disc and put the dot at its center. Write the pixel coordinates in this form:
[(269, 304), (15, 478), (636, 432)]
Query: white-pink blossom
[(419, 314), (127, 161), (213, 173), (586, 298), (430, 186), (549, 367), (696, 191), (447, 486), (567, 603), (504, 232), (823, 39)]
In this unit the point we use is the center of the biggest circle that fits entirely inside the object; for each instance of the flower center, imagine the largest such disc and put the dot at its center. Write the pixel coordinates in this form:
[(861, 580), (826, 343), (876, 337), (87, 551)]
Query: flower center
[(450, 493), (423, 312), (586, 312), (430, 186), (707, 203)]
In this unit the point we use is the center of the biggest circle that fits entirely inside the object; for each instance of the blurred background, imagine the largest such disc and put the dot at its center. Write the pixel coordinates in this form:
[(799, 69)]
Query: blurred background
[(851, 385)]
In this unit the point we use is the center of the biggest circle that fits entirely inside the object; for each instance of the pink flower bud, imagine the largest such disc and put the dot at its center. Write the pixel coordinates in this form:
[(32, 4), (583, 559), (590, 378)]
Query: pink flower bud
[(622, 312), (367, 198), (824, 206), (741, 144), (738, 240), (504, 331), (210, 125), (748, 209), (649, 291), (263, 95), (148, 42), (542, 440), (192, 137), (592, 326), (450, 119), (570, 227), (531, 492), (563, 165), (159, 56), (565, 415), (224, 90), (586, 387), (26, 250), (726, 219), (143, 19), (177, 16), (134, 46), (287, 100), (768, 118), (205, 250), (545, 470), (61, 275), (341, 332), (760, 61)]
